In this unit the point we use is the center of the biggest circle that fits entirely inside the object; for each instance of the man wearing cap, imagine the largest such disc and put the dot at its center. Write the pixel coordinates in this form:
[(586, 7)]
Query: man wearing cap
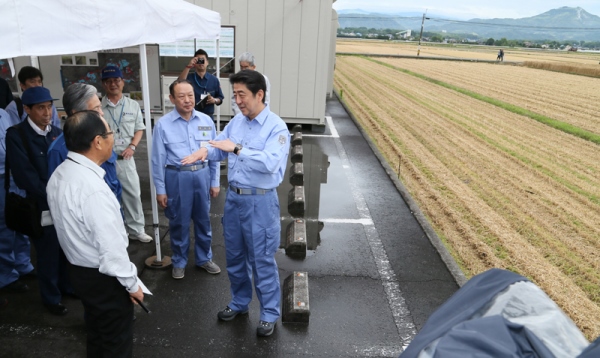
[(124, 117), (29, 167), (184, 191), (28, 76)]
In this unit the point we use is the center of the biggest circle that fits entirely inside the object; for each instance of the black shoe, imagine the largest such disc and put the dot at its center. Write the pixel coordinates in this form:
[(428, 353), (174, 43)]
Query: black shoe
[(265, 329), (17, 286), (57, 309), (227, 314), (72, 294), (29, 275)]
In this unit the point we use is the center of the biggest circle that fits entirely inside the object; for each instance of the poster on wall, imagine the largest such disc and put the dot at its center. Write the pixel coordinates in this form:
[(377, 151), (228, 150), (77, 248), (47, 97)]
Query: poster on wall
[(188, 47), (129, 63), (6, 74), (177, 49), (226, 44)]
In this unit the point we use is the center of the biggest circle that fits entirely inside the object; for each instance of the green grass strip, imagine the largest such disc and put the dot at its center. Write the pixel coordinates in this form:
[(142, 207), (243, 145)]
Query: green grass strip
[(556, 124)]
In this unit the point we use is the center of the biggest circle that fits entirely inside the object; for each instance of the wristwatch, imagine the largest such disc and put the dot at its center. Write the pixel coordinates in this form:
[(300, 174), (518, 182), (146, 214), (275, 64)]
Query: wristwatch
[(237, 148), (132, 147)]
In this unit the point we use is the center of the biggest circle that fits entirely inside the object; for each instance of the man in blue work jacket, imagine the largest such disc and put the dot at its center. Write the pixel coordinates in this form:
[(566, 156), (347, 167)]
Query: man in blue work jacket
[(184, 191), (256, 143), (30, 172)]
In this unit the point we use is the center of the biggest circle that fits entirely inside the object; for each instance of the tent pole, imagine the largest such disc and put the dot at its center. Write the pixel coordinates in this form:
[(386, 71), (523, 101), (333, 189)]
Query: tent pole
[(154, 261), (219, 79)]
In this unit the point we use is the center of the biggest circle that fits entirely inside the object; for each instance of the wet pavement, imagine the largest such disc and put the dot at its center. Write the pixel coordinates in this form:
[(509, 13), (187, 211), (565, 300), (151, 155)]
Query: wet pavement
[(374, 275)]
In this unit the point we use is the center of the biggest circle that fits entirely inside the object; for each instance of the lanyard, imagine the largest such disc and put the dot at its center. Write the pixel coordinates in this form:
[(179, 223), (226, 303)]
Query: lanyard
[(120, 117), (198, 83)]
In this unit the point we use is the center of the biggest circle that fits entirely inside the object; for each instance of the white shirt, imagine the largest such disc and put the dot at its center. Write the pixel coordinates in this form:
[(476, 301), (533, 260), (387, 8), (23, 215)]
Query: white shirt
[(37, 129), (88, 221)]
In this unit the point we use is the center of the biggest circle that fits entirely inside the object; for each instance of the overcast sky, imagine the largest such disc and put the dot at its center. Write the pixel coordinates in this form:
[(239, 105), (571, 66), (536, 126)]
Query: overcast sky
[(468, 9)]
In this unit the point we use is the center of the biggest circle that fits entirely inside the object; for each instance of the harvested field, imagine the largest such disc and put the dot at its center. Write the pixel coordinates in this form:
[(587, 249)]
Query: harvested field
[(465, 51), (501, 189), (567, 98)]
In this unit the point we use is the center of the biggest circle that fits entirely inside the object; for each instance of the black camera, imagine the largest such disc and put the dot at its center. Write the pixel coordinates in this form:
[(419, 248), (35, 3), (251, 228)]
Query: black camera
[(200, 61)]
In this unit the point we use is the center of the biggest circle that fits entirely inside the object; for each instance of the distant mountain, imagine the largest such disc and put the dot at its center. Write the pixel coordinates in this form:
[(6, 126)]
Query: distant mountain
[(352, 11), (556, 24)]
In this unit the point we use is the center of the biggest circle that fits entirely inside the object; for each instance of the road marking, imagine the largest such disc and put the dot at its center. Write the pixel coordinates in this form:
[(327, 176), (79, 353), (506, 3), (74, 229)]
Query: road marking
[(402, 317), (334, 133), (364, 221)]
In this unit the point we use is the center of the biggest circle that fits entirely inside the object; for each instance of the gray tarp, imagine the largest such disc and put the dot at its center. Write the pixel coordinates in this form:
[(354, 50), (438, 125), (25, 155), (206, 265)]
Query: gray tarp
[(500, 314)]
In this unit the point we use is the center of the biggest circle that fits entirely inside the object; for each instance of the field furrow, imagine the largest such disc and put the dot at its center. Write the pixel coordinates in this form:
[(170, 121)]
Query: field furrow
[(501, 189)]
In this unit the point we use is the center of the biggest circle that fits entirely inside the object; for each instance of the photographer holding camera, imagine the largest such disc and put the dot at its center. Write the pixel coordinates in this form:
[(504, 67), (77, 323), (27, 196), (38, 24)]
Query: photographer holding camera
[(207, 88)]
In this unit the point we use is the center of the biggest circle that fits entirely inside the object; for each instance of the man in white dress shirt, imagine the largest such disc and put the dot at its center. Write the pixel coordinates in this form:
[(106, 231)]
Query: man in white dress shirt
[(92, 234)]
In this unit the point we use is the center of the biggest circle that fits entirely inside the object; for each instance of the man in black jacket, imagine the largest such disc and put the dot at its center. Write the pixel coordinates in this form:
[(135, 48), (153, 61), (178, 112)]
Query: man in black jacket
[(29, 166)]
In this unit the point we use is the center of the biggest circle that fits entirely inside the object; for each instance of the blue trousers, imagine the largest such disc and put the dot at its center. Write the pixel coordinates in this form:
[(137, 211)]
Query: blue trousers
[(251, 226), (188, 199), (14, 250), (52, 267)]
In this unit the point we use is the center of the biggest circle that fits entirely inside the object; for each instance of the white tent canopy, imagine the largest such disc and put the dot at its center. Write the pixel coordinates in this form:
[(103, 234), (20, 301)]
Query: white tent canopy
[(62, 27), (59, 27)]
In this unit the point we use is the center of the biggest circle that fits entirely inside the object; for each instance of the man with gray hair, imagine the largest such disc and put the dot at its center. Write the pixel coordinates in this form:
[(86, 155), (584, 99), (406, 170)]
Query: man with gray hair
[(80, 97), (247, 63)]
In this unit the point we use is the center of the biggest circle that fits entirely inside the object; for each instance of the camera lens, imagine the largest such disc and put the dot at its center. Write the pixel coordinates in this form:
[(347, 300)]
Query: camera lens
[(201, 61)]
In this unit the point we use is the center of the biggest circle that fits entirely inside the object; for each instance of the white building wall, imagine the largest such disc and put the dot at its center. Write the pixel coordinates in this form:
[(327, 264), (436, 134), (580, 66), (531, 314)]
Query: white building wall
[(291, 42)]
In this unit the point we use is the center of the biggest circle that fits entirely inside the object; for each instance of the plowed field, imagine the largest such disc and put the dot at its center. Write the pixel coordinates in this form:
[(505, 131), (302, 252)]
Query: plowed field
[(501, 189)]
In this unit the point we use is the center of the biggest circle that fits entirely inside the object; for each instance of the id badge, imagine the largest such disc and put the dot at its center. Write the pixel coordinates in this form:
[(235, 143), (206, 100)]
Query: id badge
[(120, 141), (203, 144)]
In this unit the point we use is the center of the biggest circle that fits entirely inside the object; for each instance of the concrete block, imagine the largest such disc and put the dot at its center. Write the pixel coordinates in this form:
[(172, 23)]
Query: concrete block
[(296, 308), (297, 174), (295, 243), (297, 138), (297, 154), (296, 201)]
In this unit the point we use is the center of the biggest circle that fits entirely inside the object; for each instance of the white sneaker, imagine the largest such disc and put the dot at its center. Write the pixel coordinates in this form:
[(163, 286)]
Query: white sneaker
[(142, 237)]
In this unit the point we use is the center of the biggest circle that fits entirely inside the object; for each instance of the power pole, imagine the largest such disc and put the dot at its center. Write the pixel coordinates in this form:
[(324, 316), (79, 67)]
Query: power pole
[(421, 35)]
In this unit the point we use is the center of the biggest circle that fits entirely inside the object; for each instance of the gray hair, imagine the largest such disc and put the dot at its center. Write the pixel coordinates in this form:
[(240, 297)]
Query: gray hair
[(247, 57), (77, 96)]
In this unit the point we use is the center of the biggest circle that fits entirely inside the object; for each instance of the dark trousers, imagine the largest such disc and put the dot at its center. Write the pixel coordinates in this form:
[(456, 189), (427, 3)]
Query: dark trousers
[(108, 313), (52, 267)]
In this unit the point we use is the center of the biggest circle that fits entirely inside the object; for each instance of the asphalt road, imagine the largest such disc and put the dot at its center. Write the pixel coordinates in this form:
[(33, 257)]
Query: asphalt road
[(374, 274)]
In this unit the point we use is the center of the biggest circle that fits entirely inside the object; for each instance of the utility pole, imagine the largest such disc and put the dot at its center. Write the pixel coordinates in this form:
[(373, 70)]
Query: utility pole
[(421, 35)]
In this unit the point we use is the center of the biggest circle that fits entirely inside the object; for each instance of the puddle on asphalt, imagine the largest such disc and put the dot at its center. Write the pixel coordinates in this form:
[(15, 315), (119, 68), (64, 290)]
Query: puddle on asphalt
[(315, 165)]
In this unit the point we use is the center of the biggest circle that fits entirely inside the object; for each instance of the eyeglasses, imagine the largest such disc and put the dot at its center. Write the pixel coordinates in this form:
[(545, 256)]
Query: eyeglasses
[(106, 134), (112, 80)]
